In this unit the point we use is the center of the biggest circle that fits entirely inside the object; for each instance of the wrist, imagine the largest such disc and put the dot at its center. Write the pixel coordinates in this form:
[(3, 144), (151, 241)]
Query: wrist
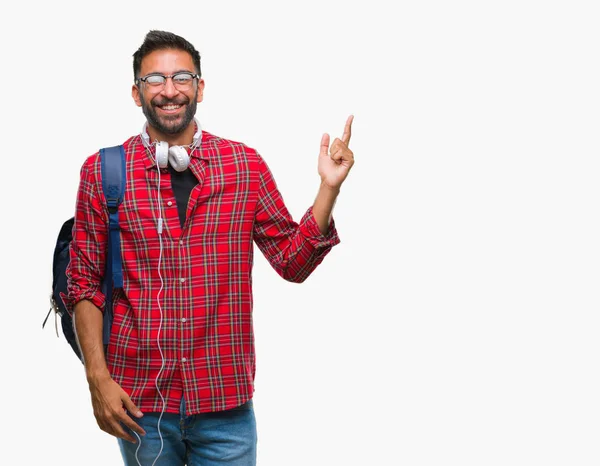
[(330, 189), (94, 377)]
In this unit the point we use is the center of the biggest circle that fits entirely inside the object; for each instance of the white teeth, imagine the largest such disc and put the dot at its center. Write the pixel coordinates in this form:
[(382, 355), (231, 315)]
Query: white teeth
[(170, 107)]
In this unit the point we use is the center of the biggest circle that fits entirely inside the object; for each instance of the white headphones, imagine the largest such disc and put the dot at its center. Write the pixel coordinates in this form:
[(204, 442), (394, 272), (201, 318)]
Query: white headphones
[(177, 156)]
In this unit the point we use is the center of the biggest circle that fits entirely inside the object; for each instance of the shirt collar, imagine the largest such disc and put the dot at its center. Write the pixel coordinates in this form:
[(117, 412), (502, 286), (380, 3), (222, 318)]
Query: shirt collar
[(147, 154)]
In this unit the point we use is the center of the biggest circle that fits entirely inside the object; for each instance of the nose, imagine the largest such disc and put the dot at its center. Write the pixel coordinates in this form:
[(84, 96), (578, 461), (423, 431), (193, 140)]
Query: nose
[(169, 90)]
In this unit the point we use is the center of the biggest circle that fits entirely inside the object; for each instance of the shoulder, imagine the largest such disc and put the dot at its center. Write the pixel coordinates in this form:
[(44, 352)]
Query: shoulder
[(219, 146), (92, 166)]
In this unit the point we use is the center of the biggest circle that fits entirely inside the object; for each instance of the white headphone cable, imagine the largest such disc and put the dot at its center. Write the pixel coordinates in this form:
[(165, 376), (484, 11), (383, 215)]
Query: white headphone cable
[(159, 228), (192, 146)]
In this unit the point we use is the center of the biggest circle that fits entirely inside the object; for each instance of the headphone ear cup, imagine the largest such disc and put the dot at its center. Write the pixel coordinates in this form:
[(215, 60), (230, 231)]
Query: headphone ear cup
[(179, 158), (162, 154)]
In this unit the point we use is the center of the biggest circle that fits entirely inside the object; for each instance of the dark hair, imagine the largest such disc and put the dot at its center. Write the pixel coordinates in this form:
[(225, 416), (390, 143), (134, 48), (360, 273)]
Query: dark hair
[(161, 40)]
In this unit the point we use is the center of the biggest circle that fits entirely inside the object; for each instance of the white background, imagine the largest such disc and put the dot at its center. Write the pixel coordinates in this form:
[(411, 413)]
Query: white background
[(456, 324)]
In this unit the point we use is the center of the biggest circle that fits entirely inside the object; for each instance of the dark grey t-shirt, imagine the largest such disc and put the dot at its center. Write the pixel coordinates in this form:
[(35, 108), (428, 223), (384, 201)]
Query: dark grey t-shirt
[(182, 184)]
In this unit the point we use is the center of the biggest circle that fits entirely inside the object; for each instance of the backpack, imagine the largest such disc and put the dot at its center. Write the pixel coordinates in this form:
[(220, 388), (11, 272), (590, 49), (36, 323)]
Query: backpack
[(112, 161)]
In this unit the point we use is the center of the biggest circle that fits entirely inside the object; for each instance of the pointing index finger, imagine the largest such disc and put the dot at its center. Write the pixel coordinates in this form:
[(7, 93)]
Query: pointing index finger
[(348, 130)]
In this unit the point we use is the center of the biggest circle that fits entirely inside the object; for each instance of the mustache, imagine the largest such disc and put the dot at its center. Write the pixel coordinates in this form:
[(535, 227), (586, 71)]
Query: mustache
[(159, 102)]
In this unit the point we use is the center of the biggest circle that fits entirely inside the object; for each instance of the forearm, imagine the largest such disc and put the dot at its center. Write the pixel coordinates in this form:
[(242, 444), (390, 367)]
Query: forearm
[(323, 206), (87, 322)]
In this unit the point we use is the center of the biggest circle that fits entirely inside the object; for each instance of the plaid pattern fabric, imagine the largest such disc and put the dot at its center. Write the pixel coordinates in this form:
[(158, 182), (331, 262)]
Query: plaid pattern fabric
[(200, 305)]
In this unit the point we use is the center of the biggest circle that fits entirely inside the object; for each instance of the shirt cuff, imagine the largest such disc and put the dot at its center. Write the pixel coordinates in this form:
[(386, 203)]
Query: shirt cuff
[(96, 297), (310, 229)]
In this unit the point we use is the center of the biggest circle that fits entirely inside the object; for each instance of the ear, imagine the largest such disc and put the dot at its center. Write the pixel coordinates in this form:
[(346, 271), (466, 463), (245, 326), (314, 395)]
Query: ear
[(135, 93), (200, 90)]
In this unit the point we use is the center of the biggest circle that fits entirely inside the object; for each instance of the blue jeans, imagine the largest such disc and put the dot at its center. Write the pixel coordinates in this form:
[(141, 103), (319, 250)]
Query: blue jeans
[(206, 439)]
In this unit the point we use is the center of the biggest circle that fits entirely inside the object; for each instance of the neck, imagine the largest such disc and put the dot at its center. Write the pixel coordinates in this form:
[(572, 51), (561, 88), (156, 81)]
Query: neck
[(182, 138)]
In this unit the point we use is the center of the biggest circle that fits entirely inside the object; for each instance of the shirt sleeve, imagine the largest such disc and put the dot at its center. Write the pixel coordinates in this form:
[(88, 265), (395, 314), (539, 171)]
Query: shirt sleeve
[(293, 249), (87, 250)]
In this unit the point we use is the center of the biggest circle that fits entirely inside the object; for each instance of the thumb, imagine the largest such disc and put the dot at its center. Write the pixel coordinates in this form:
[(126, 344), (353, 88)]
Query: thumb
[(130, 406), (324, 145)]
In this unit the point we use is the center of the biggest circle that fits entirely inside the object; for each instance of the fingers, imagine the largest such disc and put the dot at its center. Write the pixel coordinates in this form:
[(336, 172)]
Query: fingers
[(340, 152), (336, 146), (348, 130), (132, 424), (118, 431), (343, 156), (337, 156), (324, 145), (337, 149), (131, 407), (113, 424), (111, 404)]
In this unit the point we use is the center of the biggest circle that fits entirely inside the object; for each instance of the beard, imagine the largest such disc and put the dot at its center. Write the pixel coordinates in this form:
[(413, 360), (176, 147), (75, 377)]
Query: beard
[(169, 124)]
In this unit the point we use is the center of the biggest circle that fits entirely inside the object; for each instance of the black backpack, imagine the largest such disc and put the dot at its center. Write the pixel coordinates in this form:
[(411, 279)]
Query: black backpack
[(113, 184)]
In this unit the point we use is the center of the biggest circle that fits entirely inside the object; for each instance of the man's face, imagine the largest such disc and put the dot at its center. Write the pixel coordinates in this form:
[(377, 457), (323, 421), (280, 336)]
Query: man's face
[(169, 108)]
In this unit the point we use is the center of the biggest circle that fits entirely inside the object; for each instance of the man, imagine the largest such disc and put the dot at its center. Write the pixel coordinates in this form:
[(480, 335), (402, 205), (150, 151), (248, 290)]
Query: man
[(177, 376)]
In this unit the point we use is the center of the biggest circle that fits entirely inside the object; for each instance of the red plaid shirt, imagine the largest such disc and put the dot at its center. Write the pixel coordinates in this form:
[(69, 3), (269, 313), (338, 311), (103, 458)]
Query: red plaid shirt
[(206, 333)]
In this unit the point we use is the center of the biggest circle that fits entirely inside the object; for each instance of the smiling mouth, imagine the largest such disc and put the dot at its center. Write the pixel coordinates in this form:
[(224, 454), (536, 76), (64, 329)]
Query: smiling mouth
[(170, 108)]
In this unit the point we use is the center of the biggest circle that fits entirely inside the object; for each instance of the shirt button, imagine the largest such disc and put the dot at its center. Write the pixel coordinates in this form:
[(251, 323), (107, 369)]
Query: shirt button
[(183, 359), (180, 242), (170, 203), (182, 280), (184, 320)]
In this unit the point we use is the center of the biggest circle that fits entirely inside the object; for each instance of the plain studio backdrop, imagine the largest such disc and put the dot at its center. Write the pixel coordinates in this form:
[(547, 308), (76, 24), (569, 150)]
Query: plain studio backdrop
[(457, 321)]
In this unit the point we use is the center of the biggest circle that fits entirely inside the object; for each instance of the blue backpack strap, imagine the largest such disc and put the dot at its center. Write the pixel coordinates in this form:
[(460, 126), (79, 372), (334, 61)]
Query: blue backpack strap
[(113, 183)]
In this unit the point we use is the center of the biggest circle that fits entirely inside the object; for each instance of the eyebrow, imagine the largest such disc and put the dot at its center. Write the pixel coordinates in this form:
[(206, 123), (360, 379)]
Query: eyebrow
[(174, 72)]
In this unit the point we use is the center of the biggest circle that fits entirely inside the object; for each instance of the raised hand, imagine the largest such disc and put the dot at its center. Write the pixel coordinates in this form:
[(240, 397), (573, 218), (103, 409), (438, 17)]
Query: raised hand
[(336, 161)]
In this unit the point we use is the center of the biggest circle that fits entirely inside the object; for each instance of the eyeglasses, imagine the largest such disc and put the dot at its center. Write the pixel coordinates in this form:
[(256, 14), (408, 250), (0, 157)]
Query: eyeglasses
[(182, 80)]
